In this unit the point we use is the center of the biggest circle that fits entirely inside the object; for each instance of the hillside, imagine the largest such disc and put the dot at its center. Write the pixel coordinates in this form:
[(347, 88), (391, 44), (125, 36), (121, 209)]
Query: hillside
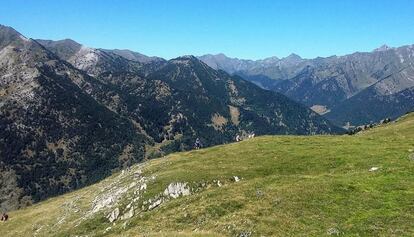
[(177, 100), (359, 185), (54, 137)]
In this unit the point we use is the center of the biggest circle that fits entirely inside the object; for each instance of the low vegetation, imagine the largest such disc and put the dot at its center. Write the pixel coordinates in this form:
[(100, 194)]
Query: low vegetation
[(359, 185)]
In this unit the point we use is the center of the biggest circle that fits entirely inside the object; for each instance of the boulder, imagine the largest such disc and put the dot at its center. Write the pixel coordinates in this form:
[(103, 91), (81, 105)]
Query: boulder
[(175, 190), (373, 169)]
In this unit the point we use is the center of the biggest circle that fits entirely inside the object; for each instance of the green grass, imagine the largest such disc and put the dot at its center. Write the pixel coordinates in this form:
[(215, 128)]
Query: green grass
[(291, 186)]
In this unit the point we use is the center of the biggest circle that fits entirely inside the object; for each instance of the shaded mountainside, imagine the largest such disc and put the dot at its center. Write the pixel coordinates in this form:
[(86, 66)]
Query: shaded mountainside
[(368, 106), (228, 105), (184, 99), (332, 82), (178, 100), (359, 185), (53, 137)]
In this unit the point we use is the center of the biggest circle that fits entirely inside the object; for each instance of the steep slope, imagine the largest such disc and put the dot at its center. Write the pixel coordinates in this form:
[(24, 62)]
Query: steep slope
[(269, 186), (54, 137), (369, 107), (185, 99), (240, 103), (177, 101)]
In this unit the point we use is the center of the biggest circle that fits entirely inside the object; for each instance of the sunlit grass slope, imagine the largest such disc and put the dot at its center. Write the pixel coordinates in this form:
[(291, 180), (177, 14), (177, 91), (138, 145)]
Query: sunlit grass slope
[(289, 186)]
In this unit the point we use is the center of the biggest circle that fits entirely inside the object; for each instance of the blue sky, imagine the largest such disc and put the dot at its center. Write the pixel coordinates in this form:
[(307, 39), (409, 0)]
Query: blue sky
[(243, 28)]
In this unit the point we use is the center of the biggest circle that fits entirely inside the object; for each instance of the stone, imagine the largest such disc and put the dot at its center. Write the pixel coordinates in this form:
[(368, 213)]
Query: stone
[(113, 215), (175, 190), (128, 214), (236, 179), (245, 234), (155, 204), (133, 184), (373, 169), (138, 173), (332, 231), (107, 199)]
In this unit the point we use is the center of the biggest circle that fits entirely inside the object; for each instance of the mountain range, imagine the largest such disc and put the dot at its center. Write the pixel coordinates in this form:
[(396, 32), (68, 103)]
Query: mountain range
[(354, 89), (70, 115)]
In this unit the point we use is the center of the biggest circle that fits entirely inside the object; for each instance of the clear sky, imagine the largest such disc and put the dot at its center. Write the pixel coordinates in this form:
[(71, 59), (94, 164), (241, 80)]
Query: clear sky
[(238, 28)]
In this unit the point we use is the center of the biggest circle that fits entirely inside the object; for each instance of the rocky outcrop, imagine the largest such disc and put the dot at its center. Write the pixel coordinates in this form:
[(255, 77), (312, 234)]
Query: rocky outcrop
[(175, 190), (113, 215)]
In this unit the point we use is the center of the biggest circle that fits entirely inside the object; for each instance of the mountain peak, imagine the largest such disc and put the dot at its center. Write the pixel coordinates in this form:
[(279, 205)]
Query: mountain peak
[(9, 34), (293, 56), (64, 42), (382, 48), (185, 60), (185, 57), (8, 29)]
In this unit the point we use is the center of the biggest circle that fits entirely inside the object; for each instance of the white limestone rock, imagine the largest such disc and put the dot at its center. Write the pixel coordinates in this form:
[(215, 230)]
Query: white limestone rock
[(113, 216), (373, 169), (175, 190), (128, 214)]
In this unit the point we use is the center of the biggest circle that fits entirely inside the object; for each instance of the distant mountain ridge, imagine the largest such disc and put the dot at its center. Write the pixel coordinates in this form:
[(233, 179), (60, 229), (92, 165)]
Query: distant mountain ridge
[(331, 82), (263, 72)]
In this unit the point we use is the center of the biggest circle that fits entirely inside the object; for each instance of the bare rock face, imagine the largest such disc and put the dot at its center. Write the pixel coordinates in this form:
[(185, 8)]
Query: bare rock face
[(155, 204), (113, 216), (108, 199), (128, 214), (175, 190)]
